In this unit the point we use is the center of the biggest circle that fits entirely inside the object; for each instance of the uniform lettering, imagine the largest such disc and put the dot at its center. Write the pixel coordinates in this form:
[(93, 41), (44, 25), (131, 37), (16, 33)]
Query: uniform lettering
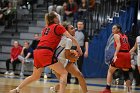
[(124, 40), (47, 31)]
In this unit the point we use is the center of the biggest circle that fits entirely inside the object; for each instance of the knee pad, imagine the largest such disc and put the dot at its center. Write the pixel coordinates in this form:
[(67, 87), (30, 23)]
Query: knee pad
[(126, 75)]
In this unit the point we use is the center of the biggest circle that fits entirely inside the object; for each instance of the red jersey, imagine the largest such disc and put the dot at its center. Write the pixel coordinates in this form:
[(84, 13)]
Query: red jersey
[(51, 36), (124, 42), (15, 52)]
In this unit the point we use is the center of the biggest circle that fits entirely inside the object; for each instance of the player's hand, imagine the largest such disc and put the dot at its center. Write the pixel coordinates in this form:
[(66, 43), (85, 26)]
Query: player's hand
[(79, 51), (12, 60), (86, 54)]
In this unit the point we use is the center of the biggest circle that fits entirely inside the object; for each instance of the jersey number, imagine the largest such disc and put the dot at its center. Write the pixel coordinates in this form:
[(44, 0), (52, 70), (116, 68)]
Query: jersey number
[(124, 40), (47, 31)]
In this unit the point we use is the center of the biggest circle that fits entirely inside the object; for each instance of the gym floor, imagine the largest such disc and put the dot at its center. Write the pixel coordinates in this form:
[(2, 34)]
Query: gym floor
[(95, 85)]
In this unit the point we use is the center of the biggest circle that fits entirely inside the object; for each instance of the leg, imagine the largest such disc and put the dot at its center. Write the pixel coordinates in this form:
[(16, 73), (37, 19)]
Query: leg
[(79, 64), (59, 68), (71, 68), (109, 74), (14, 64), (127, 79), (35, 76), (7, 66), (111, 70), (139, 69)]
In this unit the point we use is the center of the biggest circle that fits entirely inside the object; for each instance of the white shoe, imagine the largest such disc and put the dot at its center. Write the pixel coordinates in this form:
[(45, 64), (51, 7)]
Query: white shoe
[(52, 89), (12, 74), (133, 83), (6, 73), (14, 91), (21, 74), (45, 76)]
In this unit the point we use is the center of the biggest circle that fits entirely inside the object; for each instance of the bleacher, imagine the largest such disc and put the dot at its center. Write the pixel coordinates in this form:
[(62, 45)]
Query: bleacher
[(24, 29)]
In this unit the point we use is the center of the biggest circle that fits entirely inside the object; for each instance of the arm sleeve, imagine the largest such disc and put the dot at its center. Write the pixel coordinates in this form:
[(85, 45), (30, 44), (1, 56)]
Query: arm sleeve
[(86, 37), (68, 43), (60, 30)]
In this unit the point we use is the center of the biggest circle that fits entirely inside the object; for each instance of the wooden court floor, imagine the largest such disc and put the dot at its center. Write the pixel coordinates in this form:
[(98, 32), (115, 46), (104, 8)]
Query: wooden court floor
[(42, 86)]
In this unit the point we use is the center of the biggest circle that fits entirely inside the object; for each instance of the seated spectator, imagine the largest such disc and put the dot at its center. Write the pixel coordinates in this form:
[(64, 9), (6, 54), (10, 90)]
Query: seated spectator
[(9, 14), (70, 12), (26, 56), (15, 52), (57, 6), (35, 41), (26, 4), (1, 14), (1, 18), (82, 10)]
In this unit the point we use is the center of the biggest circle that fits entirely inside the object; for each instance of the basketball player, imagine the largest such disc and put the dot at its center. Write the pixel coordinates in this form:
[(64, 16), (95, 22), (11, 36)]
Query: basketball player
[(64, 47), (44, 54), (121, 59), (137, 46)]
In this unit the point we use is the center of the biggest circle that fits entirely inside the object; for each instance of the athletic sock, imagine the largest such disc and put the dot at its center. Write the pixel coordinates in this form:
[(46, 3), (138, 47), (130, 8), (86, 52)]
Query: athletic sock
[(108, 87)]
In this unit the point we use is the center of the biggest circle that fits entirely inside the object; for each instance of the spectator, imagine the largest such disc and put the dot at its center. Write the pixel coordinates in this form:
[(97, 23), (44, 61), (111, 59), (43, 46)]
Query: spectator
[(1, 18), (26, 56), (71, 11), (82, 38), (82, 10), (57, 6), (1, 14), (9, 14), (15, 52), (35, 41)]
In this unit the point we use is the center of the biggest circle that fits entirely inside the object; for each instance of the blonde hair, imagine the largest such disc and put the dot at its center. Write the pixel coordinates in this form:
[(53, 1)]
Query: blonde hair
[(49, 18)]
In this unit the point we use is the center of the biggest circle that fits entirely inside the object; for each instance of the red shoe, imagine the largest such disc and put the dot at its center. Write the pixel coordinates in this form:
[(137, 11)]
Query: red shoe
[(106, 91)]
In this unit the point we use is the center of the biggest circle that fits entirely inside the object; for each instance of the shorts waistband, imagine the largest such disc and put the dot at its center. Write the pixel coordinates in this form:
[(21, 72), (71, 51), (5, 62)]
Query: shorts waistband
[(44, 47), (124, 51)]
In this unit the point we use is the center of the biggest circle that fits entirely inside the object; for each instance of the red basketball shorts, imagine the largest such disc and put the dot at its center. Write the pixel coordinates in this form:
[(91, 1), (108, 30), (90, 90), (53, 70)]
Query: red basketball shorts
[(123, 60), (43, 57)]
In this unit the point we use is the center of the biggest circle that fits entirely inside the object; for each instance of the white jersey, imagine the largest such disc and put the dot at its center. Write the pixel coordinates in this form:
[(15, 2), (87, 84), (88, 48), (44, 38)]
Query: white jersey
[(65, 43), (138, 50), (138, 45)]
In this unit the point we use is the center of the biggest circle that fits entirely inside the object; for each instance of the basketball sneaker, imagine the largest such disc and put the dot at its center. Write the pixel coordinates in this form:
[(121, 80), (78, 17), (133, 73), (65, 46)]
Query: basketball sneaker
[(52, 89), (6, 73), (14, 91), (12, 74), (106, 91)]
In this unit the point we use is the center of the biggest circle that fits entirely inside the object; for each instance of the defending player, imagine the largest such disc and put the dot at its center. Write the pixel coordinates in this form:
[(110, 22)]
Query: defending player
[(121, 59), (44, 54), (65, 52), (137, 46)]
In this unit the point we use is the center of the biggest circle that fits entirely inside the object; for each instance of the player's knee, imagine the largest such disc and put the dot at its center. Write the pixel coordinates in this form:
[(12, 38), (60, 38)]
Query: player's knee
[(63, 78), (64, 74)]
